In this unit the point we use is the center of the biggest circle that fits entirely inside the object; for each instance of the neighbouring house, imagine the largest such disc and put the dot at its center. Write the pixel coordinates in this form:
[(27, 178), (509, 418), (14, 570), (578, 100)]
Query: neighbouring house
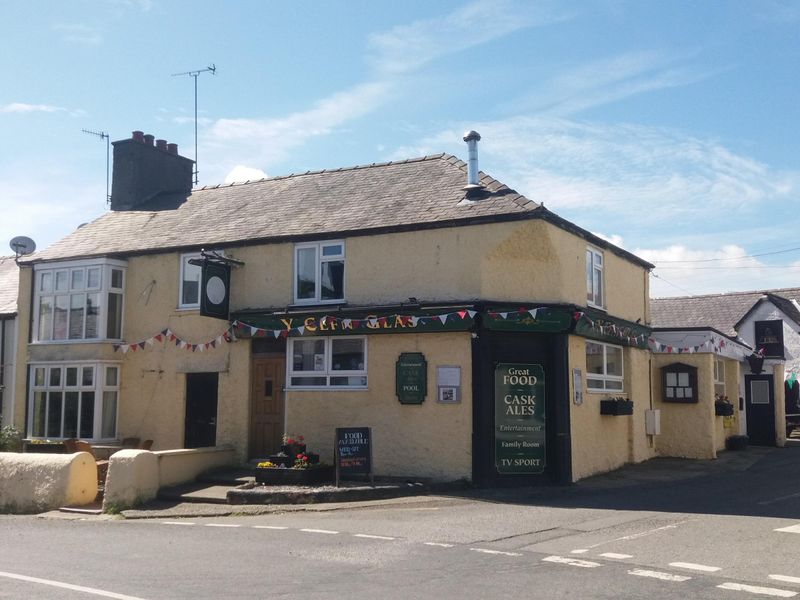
[(755, 335), (9, 283), (478, 334)]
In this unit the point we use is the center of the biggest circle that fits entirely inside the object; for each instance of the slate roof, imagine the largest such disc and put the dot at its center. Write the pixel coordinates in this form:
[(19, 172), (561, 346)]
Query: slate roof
[(9, 284), (722, 312), (410, 194)]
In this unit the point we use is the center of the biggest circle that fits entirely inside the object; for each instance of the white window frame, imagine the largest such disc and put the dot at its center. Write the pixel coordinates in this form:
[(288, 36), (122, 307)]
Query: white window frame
[(319, 260), (719, 377), (106, 266), (329, 371), (604, 377), (593, 265), (185, 258), (99, 386)]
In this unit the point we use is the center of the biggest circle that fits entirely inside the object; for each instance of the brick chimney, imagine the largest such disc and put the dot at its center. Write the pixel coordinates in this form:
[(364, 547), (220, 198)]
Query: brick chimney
[(143, 171)]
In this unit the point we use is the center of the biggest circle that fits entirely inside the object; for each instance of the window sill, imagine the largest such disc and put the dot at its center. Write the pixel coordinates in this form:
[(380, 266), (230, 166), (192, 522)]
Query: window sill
[(313, 303), (321, 388), (596, 307), (72, 342)]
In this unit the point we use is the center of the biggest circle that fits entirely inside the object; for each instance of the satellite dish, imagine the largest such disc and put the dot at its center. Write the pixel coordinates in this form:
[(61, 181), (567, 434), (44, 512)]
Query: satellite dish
[(22, 245)]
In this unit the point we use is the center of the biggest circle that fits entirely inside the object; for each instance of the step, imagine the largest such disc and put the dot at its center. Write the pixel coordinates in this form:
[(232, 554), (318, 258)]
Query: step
[(196, 492)]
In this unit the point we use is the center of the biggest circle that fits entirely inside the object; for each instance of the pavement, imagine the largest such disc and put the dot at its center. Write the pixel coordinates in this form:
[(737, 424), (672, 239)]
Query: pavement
[(235, 493)]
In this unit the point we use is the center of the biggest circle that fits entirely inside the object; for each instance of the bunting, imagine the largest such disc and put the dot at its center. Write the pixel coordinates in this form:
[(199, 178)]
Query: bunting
[(609, 328), (168, 336), (330, 323), (714, 343)]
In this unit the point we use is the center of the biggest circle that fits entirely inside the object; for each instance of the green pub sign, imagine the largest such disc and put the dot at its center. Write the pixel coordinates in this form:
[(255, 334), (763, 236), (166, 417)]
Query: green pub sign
[(411, 379), (519, 419)]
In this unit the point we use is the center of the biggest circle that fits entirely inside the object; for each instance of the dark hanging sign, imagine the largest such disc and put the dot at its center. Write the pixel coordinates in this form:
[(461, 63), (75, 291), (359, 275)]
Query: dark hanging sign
[(519, 419), (411, 378), (353, 450), (215, 290)]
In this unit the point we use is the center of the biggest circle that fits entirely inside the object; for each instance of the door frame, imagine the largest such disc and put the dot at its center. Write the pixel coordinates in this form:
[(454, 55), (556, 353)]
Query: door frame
[(752, 419)]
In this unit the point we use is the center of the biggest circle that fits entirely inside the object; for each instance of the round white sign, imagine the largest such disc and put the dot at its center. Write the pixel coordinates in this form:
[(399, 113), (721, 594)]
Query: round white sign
[(215, 290)]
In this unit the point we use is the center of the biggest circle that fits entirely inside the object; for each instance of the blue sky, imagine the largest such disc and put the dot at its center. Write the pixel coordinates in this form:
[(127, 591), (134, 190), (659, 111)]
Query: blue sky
[(670, 128)]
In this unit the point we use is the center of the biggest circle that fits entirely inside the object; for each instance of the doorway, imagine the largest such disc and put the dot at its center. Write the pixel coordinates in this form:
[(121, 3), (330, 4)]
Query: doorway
[(267, 405), (760, 409), (201, 410)]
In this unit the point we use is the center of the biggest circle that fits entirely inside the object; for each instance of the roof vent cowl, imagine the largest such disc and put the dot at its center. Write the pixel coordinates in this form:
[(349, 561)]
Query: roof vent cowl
[(472, 138)]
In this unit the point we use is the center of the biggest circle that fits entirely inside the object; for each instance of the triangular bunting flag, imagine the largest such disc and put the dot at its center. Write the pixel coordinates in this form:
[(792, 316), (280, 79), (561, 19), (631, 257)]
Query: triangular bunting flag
[(442, 318)]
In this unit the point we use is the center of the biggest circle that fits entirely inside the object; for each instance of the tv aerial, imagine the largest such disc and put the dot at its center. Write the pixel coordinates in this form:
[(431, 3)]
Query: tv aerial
[(213, 70), (103, 135), (22, 245)]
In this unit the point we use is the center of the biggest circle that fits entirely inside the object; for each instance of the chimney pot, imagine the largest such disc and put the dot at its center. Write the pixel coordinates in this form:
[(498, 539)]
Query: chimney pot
[(172, 148), (148, 139), (138, 136), (472, 138), (161, 145)]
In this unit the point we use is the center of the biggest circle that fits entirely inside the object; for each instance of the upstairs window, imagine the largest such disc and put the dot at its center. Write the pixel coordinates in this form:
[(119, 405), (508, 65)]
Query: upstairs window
[(769, 336), (319, 272), (79, 301), (603, 367), (594, 277), (190, 282)]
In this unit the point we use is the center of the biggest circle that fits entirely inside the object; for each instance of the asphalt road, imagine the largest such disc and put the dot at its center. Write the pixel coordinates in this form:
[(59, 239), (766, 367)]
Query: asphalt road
[(715, 535)]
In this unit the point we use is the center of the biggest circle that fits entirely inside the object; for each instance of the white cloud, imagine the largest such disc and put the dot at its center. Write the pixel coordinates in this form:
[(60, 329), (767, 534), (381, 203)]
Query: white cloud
[(242, 173), (681, 270), (23, 108), (229, 142), (408, 47), (78, 34), (611, 239)]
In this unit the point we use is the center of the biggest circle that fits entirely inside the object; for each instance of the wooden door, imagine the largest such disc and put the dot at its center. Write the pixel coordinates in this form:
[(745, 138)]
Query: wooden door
[(266, 405)]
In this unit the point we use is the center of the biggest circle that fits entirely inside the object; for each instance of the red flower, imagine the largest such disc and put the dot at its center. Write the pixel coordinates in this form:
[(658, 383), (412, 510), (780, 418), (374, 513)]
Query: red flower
[(290, 441)]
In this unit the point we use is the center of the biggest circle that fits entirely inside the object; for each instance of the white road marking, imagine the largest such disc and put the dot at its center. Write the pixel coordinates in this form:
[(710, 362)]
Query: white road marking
[(373, 537), (790, 529), (268, 527), (615, 555), (328, 531), (579, 551), (641, 534), (485, 551), (658, 575), (177, 523), (755, 589), (780, 498), (786, 578), (695, 567), (222, 525), (575, 562), (69, 586), (439, 544)]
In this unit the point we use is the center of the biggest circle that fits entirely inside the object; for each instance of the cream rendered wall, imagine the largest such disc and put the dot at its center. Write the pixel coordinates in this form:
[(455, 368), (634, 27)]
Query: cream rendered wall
[(23, 335), (601, 443), (687, 430), (427, 440), (498, 261)]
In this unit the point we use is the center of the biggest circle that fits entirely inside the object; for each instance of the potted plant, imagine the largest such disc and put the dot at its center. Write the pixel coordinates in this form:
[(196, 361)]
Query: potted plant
[(10, 439), (616, 406), (306, 470), (756, 361), (722, 407), (293, 444)]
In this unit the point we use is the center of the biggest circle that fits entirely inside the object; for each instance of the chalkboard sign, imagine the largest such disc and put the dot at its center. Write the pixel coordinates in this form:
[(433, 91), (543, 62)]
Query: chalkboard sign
[(353, 452)]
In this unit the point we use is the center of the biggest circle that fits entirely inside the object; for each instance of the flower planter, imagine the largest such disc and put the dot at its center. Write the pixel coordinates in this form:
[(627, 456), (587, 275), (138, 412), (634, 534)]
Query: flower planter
[(756, 363), (723, 409), (616, 407), (736, 442), (293, 449), (287, 460), (44, 447), (312, 476)]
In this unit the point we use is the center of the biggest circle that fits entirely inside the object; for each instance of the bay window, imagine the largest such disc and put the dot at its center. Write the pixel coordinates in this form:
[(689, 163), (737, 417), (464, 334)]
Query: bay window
[(80, 300), (73, 400), (336, 362)]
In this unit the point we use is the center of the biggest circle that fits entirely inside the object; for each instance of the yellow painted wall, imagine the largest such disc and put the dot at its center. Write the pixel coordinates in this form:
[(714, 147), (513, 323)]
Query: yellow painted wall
[(602, 443), (21, 367), (721, 433), (687, 430), (427, 440)]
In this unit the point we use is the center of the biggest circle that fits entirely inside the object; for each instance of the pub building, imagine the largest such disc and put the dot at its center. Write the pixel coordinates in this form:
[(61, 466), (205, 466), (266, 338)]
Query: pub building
[(477, 334)]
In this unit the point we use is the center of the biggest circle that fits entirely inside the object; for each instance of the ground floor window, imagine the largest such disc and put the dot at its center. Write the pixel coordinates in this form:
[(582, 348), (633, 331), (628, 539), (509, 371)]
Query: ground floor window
[(603, 367), (336, 362), (73, 400)]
